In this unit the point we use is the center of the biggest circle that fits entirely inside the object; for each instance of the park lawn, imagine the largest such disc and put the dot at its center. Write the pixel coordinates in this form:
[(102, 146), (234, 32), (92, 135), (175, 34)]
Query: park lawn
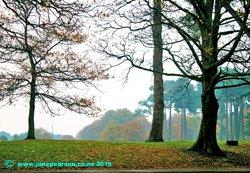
[(123, 155)]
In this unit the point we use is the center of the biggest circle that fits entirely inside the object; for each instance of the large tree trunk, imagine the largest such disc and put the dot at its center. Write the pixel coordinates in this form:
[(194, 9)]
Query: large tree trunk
[(206, 142), (158, 109)]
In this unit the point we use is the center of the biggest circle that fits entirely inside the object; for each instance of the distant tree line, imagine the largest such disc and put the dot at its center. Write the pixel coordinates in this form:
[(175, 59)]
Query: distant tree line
[(40, 133), (117, 125)]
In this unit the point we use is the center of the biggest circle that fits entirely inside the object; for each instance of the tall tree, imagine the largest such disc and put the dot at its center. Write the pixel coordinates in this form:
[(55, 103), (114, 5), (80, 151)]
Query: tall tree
[(214, 55), (105, 12), (37, 59), (156, 131)]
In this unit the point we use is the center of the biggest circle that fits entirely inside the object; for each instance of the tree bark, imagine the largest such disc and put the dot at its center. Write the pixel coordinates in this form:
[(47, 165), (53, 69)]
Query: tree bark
[(158, 109), (206, 142)]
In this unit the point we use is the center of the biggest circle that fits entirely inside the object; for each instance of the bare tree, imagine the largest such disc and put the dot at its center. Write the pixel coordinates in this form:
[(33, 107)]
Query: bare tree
[(37, 59)]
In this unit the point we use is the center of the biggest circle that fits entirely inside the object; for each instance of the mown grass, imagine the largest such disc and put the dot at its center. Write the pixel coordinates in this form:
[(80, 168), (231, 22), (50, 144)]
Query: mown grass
[(123, 155)]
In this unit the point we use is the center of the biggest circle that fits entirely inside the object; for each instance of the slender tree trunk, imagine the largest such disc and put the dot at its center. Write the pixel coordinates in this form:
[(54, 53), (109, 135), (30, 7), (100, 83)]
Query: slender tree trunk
[(222, 112), (165, 124), (231, 120), (31, 130), (206, 142), (226, 120), (158, 109), (181, 113), (170, 121), (241, 121), (236, 121), (183, 124)]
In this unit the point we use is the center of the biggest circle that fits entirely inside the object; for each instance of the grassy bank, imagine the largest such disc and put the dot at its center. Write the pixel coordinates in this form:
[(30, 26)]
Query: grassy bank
[(123, 155)]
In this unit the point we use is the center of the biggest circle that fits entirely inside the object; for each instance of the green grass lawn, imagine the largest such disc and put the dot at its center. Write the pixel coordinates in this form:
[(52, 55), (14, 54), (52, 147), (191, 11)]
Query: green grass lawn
[(123, 155)]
